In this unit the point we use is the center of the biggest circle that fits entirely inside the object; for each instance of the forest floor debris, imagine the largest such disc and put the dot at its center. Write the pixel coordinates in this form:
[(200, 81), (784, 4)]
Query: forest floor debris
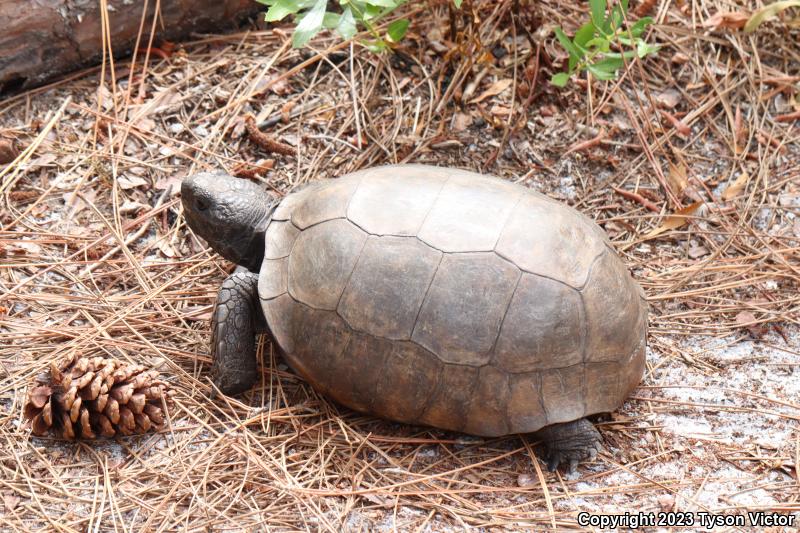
[(691, 163)]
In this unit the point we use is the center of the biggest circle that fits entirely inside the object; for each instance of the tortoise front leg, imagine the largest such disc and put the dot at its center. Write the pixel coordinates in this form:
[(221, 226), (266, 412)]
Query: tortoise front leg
[(569, 443), (236, 320)]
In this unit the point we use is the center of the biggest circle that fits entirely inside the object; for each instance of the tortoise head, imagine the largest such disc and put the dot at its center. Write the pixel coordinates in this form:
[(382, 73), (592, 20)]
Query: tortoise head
[(230, 213)]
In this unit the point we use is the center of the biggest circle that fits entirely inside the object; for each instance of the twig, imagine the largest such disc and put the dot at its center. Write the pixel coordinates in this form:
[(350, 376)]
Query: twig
[(586, 145), (265, 141), (637, 198)]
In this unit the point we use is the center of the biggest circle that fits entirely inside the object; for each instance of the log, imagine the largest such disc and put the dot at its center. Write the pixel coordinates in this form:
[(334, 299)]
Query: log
[(42, 39)]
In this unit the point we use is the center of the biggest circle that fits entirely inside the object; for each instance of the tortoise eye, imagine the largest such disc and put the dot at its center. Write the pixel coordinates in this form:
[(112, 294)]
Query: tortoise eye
[(201, 204)]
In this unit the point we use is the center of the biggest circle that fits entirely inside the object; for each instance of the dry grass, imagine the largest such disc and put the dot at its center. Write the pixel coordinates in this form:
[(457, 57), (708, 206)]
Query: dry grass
[(95, 257)]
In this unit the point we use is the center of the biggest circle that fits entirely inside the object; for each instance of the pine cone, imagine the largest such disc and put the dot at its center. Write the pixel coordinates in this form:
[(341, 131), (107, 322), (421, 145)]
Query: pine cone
[(90, 397)]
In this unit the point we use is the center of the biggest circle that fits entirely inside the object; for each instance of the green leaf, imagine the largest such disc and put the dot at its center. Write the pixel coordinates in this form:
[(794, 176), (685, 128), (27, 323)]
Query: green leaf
[(601, 43), (624, 4), (567, 44), (630, 54), (280, 9), (458, 3), (310, 24), (768, 12), (638, 28), (609, 64), (390, 4), (616, 17), (560, 79), (397, 30), (375, 46), (601, 74), (584, 34), (372, 12), (331, 20), (598, 8), (347, 24), (572, 63), (643, 49)]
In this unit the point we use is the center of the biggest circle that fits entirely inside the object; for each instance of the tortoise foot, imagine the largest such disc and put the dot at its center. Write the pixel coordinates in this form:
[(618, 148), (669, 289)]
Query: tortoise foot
[(569, 443), (235, 323)]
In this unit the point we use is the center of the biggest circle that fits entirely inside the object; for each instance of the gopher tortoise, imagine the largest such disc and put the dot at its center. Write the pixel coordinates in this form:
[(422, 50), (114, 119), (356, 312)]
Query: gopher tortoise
[(427, 295)]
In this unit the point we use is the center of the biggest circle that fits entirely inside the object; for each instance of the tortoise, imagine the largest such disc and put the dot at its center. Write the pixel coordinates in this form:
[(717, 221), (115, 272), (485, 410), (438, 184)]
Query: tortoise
[(430, 296)]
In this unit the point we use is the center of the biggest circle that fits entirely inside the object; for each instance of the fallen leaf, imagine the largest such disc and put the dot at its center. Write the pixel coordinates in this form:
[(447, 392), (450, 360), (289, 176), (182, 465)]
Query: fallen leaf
[(275, 84), (10, 501), (768, 12), (461, 121), (42, 161), (666, 502), (105, 97), (674, 221), (145, 124), (747, 320), (354, 140), (736, 187), (697, 251), (495, 89), (164, 100), (669, 98), (130, 182), (789, 199), (8, 152), (129, 206), (446, 143), (23, 247), (739, 131), (677, 176), (378, 500), (75, 201), (525, 480), (172, 182), (166, 248), (679, 58), (498, 110), (727, 19)]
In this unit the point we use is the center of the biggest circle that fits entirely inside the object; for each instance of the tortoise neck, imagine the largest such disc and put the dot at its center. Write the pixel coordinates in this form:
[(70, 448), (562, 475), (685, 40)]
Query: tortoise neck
[(255, 255)]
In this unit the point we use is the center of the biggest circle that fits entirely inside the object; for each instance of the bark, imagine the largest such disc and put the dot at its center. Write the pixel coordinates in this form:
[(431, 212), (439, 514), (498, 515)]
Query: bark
[(42, 39)]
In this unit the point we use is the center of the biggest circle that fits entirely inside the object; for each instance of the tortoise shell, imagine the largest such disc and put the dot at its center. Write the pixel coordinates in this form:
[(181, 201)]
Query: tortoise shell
[(447, 298)]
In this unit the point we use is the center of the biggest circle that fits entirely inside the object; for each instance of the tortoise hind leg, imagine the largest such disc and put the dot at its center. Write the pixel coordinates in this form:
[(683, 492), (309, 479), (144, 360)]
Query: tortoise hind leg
[(570, 443), (236, 320)]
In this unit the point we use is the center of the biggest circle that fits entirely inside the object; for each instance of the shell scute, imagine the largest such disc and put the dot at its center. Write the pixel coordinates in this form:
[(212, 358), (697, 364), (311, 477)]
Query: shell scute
[(396, 200), (543, 327), (551, 240), (326, 203), (322, 260), (409, 375), (388, 284), (462, 312), (614, 314), (279, 238), (469, 213), (563, 393)]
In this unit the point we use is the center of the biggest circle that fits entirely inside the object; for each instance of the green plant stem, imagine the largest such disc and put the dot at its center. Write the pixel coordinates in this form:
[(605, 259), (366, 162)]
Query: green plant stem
[(367, 24), (588, 60)]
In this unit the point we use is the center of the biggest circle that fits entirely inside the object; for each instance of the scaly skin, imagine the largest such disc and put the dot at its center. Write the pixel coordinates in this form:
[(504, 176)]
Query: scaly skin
[(570, 443), (236, 320)]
